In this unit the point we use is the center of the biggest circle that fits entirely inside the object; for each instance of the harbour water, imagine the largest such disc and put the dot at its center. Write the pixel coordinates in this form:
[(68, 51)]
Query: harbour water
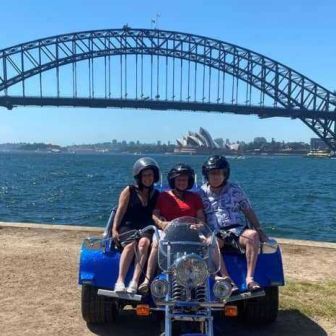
[(294, 197)]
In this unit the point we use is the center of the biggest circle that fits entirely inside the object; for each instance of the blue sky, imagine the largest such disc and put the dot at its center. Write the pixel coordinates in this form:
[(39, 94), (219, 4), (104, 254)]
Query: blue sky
[(299, 33)]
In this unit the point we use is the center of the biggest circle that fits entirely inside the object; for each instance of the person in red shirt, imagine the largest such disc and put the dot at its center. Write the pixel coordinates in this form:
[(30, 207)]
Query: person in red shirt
[(172, 204), (178, 201)]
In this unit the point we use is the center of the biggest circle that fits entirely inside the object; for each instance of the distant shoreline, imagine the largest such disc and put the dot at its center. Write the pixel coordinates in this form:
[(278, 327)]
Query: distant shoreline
[(151, 153)]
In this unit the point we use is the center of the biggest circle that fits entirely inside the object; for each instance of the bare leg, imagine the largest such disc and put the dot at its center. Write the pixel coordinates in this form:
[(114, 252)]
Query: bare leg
[(143, 246), (250, 241), (151, 268), (152, 262), (219, 261), (125, 261)]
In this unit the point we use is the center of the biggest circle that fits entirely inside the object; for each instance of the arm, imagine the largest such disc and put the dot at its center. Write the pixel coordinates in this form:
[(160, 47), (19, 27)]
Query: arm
[(200, 216), (121, 210), (159, 221), (253, 219), (200, 220)]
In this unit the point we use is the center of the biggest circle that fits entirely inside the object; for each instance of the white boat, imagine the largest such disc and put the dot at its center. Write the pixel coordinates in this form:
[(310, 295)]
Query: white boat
[(319, 154)]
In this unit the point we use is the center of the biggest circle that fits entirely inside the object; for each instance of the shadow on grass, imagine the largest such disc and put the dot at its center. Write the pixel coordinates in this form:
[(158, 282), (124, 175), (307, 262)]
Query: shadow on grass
[(289, 323)]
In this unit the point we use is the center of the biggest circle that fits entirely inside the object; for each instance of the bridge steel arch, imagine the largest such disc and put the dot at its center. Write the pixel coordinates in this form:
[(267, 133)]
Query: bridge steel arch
[(293, 94)]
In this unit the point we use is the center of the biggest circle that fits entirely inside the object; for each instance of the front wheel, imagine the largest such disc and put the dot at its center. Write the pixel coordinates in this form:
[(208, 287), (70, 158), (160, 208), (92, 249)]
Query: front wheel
[(262, 310), (96, 308)]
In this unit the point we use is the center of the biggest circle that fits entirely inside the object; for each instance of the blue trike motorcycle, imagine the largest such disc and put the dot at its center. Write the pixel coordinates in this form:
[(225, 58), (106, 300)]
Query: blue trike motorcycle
[(185, 293)]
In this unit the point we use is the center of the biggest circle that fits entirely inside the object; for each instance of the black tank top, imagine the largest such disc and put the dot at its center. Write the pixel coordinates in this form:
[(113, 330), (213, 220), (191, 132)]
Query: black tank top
[(138, 216)]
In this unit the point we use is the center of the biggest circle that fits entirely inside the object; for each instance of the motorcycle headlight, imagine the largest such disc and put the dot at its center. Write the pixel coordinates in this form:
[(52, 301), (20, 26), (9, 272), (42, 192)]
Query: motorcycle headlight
[(222, 289), (191, 271), (159, 288)]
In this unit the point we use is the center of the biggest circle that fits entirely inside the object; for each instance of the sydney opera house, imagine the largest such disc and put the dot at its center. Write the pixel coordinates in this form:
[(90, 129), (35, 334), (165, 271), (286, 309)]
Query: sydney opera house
[(201, 143)]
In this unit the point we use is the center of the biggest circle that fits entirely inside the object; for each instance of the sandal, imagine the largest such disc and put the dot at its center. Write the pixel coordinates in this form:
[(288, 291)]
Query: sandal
[(253, 286), (144, 288)]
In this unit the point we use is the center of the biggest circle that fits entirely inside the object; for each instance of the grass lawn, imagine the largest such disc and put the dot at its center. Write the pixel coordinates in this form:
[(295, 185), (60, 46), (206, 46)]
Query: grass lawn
[(316, 300)]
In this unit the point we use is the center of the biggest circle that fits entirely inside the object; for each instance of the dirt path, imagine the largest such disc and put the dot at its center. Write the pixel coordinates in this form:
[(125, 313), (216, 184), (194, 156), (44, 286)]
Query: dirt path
[(39, 293)]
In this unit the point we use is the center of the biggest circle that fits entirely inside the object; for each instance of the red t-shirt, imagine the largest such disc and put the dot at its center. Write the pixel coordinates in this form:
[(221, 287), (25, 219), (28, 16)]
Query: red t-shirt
[(171, 207)]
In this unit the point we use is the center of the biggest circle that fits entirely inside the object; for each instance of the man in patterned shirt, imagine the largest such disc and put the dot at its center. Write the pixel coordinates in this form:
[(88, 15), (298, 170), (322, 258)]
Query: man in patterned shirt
[(226, 205)]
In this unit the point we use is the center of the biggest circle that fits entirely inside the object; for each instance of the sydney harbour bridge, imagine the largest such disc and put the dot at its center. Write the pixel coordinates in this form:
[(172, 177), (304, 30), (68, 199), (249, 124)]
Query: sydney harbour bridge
[(161, 70)]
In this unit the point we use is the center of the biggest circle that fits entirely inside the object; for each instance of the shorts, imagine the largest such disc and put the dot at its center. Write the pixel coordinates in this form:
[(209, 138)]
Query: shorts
[(231, 238), (129, 227), (161, 233)]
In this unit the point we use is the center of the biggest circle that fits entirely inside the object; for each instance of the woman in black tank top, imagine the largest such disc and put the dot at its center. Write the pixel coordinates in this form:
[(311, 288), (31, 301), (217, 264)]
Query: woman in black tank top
[(139, 213), (135, 208)]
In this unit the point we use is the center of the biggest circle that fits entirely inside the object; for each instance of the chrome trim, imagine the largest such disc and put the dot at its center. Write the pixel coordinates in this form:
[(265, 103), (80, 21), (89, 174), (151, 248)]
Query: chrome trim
[(246, 296), (94, 243), (187, 317), (120, 295), (192, 304), (269, 247)]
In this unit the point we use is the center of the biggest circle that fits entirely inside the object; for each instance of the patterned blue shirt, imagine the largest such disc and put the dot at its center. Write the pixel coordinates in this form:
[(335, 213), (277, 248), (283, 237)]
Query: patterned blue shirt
[(225, 208)]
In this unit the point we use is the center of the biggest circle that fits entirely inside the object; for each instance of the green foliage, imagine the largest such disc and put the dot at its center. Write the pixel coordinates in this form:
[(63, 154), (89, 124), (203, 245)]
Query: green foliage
[(39, 147)]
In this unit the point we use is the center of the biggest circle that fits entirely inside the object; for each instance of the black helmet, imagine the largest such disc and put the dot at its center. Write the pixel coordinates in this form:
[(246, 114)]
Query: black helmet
[(146, 163), (178, 170), (216, 162)]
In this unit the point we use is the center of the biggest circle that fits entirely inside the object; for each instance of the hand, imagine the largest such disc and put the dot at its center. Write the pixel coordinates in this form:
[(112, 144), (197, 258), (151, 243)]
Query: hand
[(165, 225), (196, 226), (115, 234)]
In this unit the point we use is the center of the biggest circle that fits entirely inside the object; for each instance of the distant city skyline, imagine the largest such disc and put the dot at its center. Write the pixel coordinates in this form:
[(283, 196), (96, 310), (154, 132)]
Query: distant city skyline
[(297, 34), (160, 142)]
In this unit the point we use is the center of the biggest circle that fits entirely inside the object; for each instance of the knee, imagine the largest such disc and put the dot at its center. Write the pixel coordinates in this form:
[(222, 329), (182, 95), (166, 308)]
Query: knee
[(249, 238), (252, 238), (143, 245)]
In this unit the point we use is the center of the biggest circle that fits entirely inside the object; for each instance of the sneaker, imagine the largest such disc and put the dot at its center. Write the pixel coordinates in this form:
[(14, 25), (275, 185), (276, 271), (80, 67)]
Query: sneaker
[(132, 287), (119, 287)]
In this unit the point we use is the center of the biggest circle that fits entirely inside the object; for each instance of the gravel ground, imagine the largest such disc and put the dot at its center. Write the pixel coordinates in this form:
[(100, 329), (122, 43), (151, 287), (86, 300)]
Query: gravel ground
[(40, 296)]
